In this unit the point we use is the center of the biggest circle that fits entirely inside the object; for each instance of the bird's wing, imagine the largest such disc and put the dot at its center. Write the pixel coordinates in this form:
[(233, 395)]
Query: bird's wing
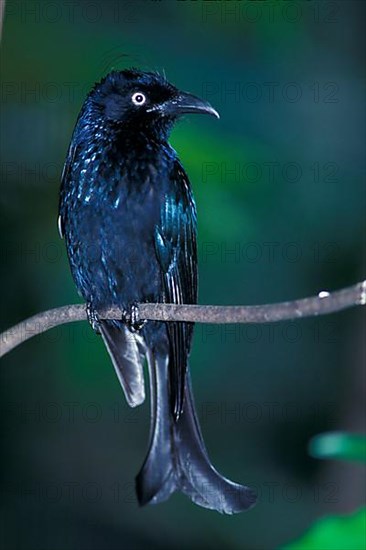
[(176, 250)]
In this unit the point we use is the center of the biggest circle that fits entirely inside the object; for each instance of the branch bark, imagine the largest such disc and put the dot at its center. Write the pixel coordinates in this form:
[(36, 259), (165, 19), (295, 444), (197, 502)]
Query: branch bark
[(322, 304)]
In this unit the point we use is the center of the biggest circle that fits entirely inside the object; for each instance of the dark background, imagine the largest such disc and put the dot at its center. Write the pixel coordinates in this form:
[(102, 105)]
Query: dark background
[(280, 190)]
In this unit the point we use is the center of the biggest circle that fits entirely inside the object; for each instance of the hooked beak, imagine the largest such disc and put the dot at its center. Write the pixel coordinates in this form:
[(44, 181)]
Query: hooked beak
[(186, 103)]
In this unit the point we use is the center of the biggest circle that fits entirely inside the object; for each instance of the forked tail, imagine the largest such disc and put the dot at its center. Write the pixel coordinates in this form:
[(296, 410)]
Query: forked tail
[(177, 459)]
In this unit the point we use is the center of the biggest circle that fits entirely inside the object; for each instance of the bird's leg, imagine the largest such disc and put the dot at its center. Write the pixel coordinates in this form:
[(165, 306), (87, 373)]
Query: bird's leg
[(93, 317)]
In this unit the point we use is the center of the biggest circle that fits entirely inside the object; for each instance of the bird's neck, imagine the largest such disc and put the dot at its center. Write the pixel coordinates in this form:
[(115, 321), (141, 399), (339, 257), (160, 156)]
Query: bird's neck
[(110, 155), (141, 143)]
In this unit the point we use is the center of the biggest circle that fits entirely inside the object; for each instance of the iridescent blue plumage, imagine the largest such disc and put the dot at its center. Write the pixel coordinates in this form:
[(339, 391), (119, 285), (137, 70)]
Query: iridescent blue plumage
[(129, 220)]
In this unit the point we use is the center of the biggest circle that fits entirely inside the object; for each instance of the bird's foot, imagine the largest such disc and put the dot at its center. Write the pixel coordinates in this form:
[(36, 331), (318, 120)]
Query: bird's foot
[(93, 318), (132, 318)]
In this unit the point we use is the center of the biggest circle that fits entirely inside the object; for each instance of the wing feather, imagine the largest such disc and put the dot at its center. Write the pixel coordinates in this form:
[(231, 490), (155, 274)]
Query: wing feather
[(176, 249)]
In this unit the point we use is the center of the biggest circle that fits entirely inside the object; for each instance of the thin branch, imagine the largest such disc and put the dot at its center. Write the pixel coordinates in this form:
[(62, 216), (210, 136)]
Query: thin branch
[(322, 304), (2, 16)]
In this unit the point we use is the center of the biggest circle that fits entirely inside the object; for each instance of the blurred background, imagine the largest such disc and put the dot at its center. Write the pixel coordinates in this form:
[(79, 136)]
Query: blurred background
[(279, 183)]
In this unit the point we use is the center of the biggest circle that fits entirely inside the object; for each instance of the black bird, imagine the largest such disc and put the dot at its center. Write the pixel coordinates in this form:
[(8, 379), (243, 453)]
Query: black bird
[(129, 220)]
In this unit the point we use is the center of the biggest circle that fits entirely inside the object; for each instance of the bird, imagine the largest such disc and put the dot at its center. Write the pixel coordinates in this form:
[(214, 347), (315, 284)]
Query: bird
[(128, 217)]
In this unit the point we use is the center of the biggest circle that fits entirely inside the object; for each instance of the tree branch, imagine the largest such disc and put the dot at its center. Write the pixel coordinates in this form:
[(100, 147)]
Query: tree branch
[(2, 16), (322, 304)]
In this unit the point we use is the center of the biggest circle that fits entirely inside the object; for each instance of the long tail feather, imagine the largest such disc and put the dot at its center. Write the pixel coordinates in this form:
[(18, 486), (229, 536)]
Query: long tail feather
[(157, 480), (177, 458)]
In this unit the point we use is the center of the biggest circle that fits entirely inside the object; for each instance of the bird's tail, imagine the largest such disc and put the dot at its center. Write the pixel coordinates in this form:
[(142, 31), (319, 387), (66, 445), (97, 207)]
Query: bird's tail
[(177, 458)]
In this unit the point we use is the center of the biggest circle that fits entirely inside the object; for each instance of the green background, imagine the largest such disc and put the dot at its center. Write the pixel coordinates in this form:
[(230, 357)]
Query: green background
[(280, 190)]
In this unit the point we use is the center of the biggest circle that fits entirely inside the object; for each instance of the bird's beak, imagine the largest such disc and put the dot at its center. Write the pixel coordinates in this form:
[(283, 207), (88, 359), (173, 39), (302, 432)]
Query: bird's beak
[(187, 103)]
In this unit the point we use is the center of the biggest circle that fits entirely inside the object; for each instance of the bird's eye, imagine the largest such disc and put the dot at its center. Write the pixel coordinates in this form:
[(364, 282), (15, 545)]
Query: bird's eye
[(138, 98)]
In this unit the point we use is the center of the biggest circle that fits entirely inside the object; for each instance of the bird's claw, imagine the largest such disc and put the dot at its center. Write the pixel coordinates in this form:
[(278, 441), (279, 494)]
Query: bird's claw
[(133, 320), (93, 318)]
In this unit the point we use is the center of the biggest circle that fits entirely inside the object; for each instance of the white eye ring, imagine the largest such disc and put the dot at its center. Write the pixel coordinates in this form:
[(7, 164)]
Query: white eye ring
[(138, 98)]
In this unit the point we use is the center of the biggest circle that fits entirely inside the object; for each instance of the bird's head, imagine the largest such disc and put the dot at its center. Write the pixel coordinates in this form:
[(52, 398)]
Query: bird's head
[(143, 102)]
